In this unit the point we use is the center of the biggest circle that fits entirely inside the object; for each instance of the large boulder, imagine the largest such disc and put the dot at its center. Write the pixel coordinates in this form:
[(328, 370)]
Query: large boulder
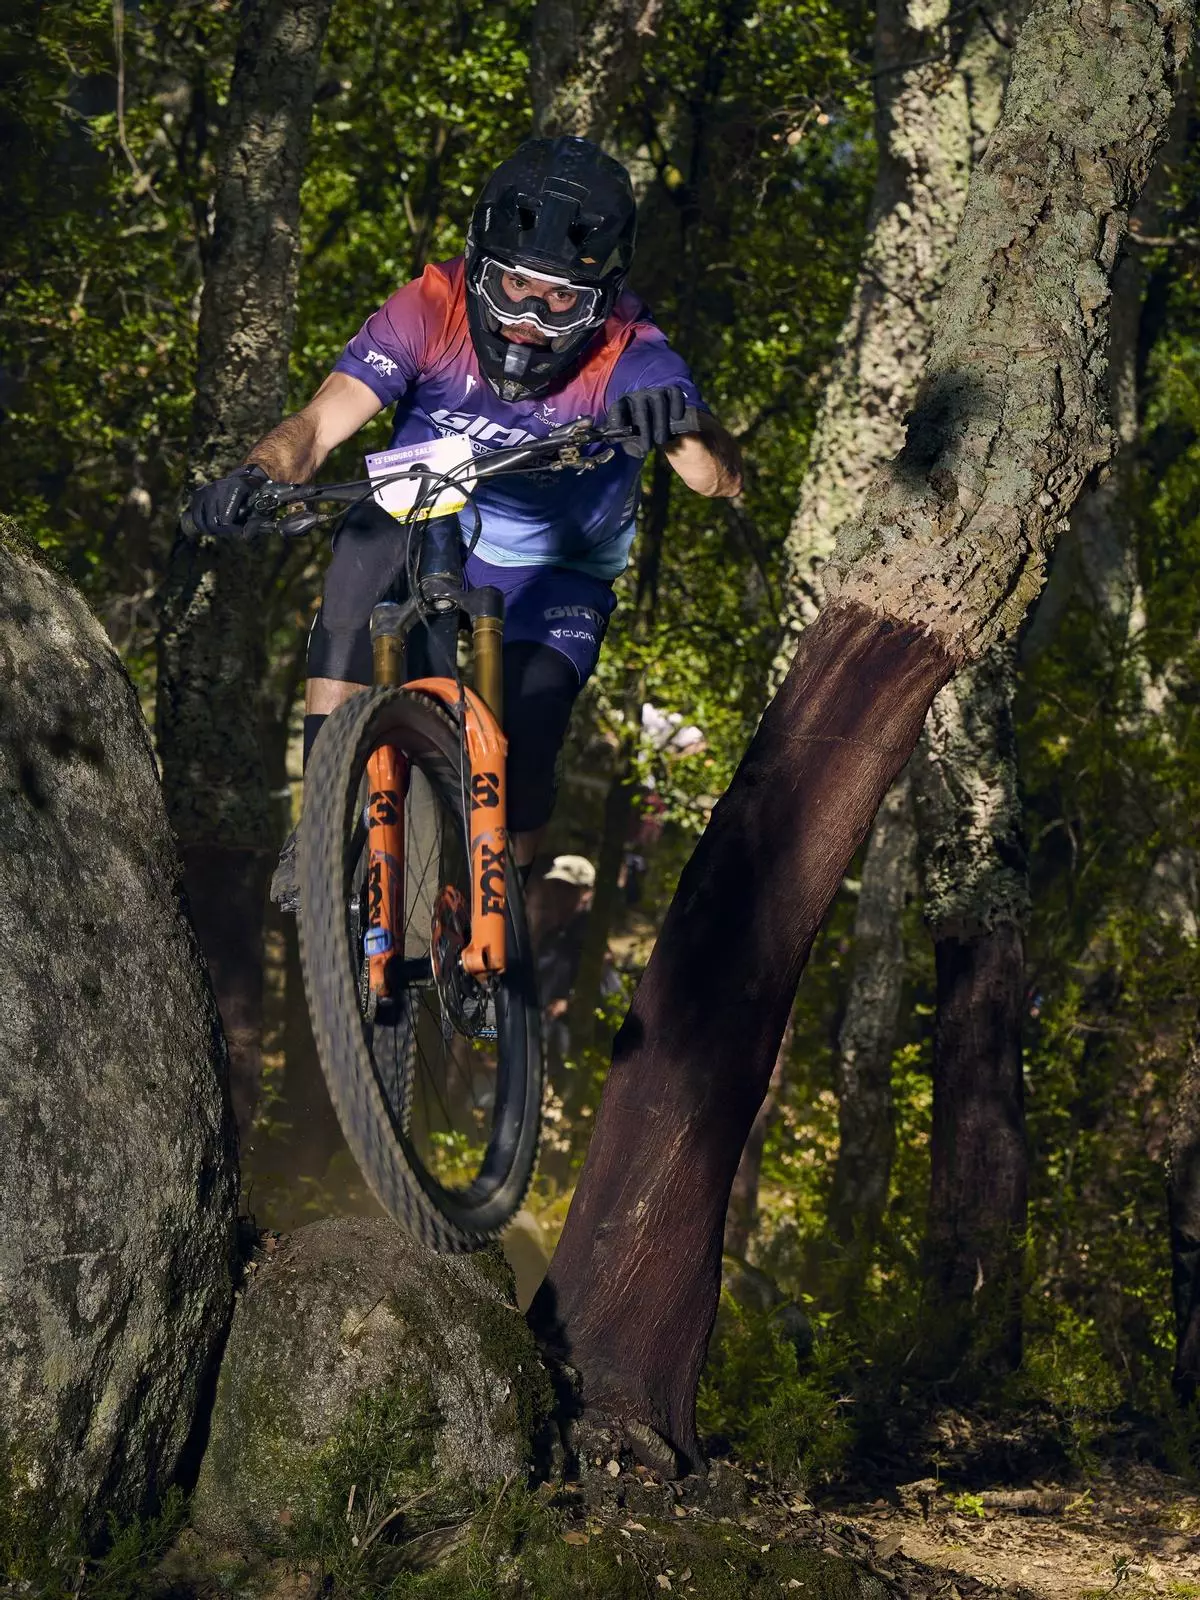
[(118, 1180), (359, 1358)]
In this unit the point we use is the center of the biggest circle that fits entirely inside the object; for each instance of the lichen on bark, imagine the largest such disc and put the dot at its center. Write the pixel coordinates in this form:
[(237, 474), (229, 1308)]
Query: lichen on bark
[(939, 74), (1010, 418)]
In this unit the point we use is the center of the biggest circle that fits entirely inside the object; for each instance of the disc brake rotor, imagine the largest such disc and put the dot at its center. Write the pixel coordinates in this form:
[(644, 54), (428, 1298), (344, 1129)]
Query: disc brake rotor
[(465, 1001)]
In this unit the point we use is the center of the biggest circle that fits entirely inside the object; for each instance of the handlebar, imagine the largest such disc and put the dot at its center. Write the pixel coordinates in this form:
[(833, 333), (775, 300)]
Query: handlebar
[(561, 449)]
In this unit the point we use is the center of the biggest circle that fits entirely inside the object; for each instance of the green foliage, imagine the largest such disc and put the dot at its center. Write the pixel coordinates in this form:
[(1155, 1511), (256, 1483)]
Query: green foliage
[(786, 1419), (54, 1563), (1067, 1370)]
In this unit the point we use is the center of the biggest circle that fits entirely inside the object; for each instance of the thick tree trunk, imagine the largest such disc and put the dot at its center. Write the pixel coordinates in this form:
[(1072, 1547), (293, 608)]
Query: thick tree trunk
[(868, 1034), (1095, 560), (939, 78), (631, 1292), (946, 556), (212, 646), (583, 60), (976, 891), (1183, 1178)]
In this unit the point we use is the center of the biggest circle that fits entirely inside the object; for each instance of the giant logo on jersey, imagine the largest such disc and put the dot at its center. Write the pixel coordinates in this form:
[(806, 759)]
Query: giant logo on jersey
[(484, 435)]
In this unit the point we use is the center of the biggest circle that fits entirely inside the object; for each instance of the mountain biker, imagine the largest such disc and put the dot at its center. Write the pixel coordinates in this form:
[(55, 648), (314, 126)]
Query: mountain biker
[(530, 328)]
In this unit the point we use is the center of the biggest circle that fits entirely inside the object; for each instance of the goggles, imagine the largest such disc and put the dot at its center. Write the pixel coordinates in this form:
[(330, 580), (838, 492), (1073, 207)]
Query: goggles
[(585, 311)]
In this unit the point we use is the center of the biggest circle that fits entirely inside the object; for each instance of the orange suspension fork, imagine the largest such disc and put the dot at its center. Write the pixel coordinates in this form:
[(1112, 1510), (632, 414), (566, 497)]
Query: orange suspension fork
[(387, 782), (487, 750)]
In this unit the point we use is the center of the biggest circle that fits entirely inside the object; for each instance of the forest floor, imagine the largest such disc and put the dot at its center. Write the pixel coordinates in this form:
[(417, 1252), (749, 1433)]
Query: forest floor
[(1131, 1532)]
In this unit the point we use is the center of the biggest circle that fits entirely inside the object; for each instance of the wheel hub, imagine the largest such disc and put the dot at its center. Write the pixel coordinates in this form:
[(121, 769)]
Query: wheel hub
[(463, 998)]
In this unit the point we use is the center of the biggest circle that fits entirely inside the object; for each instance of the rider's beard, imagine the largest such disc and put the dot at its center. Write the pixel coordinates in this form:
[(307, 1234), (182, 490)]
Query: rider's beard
[(525, 333)]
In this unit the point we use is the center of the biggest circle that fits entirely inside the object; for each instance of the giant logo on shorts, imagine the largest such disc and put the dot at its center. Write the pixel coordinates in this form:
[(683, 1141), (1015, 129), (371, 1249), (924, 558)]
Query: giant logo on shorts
[(561, 613)]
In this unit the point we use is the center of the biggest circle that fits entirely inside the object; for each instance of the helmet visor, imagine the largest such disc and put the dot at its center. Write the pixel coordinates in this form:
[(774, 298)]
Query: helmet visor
[(554, 306)]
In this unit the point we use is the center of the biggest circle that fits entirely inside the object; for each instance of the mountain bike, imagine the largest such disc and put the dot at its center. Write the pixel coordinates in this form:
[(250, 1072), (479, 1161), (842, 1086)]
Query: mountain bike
[(414, 945)]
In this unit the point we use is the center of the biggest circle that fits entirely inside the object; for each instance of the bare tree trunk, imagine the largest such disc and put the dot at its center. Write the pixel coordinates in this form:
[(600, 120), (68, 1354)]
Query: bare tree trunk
[(945, 558), (867, 1040), (212, 645), (976, 892), (583, 60)]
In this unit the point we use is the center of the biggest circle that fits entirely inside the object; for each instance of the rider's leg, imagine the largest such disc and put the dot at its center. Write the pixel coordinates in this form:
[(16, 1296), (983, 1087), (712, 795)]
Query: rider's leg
[(540, 687), (554, 622), (368, 555), (368, 558)]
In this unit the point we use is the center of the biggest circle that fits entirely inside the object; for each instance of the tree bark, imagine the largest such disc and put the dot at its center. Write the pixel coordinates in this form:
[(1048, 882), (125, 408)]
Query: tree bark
[(944, 559), (939, 75), (583, 60), (212, 644), (863, 1073), (976, 893), (939, 79)]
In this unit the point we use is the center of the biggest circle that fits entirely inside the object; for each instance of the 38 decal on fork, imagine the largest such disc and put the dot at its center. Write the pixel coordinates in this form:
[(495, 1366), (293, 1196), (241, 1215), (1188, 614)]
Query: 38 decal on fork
[(387, 782)]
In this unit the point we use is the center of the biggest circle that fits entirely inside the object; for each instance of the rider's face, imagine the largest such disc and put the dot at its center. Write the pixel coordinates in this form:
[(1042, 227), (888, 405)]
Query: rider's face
[(520, 286)]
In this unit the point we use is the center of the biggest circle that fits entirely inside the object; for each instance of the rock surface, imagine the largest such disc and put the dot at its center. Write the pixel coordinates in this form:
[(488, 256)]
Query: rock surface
[(347, 1329), (118, 1176)]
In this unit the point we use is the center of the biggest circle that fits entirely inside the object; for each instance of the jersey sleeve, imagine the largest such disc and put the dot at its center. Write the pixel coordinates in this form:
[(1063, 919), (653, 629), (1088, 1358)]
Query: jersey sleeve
[(650, 363), (388, 351)]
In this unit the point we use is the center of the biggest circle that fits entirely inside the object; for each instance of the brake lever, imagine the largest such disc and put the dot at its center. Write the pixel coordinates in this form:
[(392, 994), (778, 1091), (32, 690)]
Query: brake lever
[(298, 524)]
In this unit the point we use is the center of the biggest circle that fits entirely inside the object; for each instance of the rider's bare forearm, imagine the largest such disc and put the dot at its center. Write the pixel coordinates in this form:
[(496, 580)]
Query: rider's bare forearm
[(297, 449), (710, 462), (291, 453)]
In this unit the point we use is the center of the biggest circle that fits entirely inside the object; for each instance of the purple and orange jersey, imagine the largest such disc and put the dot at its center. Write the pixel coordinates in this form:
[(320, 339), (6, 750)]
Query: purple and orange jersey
[(415, 352)]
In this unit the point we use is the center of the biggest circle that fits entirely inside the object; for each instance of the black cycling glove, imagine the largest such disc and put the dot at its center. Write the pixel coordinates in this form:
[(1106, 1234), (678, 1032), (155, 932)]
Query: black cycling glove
[(222, 507), (656, 416)]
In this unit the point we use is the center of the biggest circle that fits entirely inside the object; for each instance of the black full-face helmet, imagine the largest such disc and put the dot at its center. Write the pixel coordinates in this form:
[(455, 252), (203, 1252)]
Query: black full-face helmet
[(562, 211)]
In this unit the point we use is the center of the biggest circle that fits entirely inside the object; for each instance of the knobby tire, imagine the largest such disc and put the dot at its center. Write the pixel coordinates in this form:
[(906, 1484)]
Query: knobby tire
[(445, 1219)]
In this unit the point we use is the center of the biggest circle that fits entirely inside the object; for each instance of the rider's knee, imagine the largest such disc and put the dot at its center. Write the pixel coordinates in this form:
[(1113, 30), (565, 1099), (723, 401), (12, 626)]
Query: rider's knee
[(342, 653)]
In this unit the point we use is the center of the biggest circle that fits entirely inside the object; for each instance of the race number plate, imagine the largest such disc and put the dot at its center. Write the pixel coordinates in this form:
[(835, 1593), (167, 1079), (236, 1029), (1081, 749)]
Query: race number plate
[(439, 455)]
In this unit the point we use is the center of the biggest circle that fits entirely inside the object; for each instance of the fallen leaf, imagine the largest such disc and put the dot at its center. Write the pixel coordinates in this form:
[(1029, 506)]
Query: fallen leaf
[(680, 1512), (663, 1581), (575, 1538), (638, 1527), (764, 1548), (685, 1574), (614, 1469), (887, 1547)]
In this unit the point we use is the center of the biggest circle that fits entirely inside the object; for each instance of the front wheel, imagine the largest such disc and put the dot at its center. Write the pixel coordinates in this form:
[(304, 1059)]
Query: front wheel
[(438, 1090)]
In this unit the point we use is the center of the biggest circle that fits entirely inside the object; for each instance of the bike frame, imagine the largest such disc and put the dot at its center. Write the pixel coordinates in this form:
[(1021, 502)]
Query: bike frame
[(487, 747)]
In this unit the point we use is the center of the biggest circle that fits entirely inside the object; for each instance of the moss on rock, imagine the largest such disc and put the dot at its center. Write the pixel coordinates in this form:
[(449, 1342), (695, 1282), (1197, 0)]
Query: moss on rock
[(360, 1361)]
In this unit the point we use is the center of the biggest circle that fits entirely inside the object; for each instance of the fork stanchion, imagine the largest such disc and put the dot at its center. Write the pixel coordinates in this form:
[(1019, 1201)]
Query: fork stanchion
[(387, 643), (486, 606)]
